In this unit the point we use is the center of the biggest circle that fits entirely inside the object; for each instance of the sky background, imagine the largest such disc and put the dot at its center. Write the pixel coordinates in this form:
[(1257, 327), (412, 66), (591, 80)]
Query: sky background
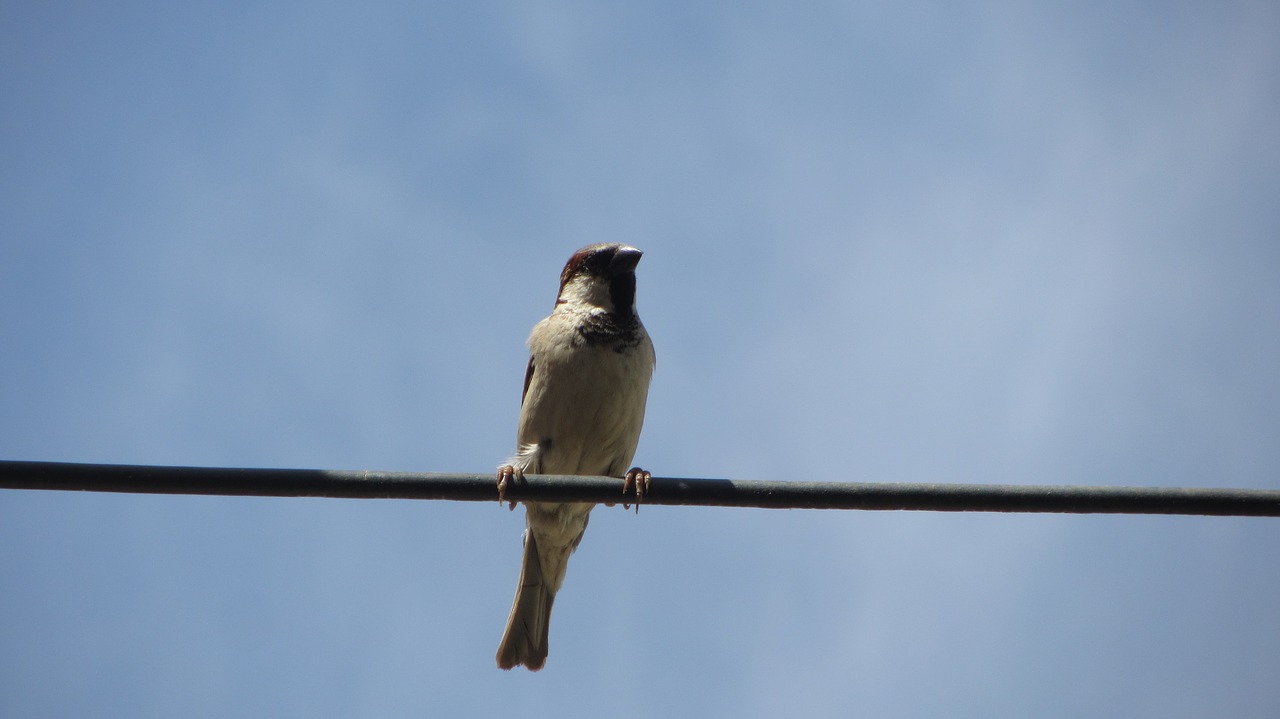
[(1014, 243)]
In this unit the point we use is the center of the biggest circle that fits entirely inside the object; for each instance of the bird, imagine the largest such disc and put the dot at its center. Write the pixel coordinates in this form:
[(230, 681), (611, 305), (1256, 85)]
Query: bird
[(581, 411)]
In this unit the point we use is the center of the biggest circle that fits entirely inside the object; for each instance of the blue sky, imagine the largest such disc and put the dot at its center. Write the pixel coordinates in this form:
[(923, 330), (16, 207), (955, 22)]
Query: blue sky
[(1011, 243)]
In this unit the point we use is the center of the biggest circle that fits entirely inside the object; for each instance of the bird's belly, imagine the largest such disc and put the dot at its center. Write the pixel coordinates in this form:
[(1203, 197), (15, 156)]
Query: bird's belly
[(586, 415)]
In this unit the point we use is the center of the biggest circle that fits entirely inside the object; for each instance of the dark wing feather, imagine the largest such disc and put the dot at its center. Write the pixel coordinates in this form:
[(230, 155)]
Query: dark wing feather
[(528, 377)]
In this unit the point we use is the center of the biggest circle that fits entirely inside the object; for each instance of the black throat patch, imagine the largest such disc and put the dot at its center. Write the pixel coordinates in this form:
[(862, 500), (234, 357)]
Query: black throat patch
[(615, 330)]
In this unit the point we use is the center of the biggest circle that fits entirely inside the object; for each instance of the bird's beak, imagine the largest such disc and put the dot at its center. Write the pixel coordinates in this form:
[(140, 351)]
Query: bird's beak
[(626, 259)]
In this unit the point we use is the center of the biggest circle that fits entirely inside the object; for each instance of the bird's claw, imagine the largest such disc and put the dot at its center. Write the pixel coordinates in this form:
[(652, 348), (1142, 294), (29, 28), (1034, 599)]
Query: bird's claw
[(641, 479), (508, 474)]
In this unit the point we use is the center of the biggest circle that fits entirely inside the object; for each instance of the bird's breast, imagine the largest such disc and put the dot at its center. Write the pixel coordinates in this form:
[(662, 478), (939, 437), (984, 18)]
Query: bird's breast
[(585, 408)]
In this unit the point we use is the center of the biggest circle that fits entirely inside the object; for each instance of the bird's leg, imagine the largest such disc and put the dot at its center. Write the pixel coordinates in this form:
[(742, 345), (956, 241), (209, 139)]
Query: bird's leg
[(641, 479), (506, 475)]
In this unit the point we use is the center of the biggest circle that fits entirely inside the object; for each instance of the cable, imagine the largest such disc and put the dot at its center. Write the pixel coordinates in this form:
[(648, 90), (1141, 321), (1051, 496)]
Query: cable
[(663, 491)]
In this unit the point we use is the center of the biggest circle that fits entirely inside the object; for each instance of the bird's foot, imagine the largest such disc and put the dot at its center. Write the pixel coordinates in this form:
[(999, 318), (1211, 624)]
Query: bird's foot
[(641, 480), (508, 474)]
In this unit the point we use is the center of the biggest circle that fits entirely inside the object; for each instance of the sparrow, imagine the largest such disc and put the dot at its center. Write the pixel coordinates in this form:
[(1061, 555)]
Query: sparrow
[(581, 412)]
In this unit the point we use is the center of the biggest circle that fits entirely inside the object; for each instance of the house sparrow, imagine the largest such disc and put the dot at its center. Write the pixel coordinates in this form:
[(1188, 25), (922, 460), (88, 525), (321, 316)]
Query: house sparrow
[(581, 413)]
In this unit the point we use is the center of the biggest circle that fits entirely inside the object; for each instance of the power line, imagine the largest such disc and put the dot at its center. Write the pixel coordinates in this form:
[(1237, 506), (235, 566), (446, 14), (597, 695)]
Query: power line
[(147, 479)]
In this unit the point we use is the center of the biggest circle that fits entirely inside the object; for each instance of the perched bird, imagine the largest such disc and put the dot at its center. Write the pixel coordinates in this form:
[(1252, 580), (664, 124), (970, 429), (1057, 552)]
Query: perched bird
[(581, 413)]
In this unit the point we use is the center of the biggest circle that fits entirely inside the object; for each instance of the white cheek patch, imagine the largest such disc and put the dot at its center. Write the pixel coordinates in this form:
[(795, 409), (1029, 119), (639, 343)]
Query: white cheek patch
[(587, 290)]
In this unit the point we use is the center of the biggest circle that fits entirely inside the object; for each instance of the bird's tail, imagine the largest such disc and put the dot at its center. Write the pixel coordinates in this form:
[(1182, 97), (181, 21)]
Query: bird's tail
[(525, 640)]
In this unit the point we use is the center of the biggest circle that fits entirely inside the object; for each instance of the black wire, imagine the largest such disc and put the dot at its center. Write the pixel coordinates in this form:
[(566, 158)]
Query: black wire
[(663, 490)]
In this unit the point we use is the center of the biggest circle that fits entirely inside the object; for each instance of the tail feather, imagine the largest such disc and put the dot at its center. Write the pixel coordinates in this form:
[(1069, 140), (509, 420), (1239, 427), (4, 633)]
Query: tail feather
[(525, 639)]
